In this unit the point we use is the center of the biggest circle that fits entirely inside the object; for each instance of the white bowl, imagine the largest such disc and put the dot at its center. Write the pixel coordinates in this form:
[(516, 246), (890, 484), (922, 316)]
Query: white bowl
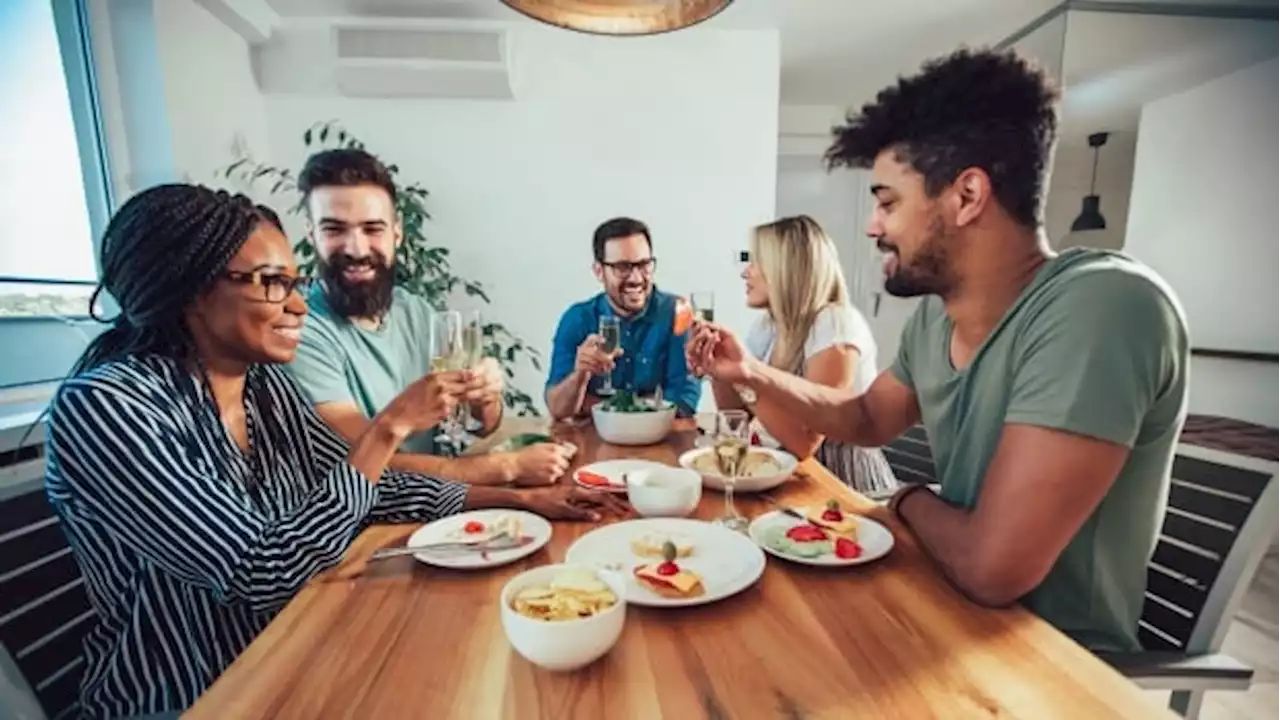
[(561, 645), (664, 492), (640, 428), (761, 483)]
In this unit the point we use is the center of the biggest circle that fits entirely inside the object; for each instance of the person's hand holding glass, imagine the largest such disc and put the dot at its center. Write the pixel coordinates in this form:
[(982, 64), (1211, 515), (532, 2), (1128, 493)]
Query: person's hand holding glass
[(732, 443)]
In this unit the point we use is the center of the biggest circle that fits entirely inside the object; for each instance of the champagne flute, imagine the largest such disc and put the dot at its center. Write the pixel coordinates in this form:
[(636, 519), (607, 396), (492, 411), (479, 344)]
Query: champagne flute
[(731, 446), (472, 353), (448, 355), (704, 306), (611, 335)]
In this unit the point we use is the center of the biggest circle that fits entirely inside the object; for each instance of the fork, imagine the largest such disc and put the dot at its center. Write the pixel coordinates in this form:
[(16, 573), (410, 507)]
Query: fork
[(501, 541)]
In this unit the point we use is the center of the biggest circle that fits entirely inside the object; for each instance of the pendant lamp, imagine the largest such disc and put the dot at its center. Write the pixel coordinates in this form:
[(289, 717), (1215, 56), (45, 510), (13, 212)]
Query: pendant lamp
[(620, 17), (1090, 217)]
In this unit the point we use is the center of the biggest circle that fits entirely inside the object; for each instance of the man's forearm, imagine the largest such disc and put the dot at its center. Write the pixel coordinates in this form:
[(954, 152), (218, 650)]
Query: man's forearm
[(489, 497), (495, 469), (564, 400), (949, 537), (834, 412)]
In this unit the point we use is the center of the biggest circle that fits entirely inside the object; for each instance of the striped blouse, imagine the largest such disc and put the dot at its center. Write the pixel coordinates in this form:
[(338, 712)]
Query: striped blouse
[(188, 547)]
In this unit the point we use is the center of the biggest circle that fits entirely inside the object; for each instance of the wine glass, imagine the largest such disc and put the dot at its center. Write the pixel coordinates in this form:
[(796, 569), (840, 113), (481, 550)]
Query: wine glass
[(733, 441), (457, 346), (704, 306), (610, 335)]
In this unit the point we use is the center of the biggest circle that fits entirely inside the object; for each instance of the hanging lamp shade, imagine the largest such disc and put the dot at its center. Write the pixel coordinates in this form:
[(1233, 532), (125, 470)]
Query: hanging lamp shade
[(1090, 217), (620, 17)]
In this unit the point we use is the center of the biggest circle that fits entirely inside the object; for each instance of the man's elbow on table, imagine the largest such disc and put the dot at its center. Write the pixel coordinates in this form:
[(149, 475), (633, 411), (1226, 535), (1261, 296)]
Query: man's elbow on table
[(994, 578)]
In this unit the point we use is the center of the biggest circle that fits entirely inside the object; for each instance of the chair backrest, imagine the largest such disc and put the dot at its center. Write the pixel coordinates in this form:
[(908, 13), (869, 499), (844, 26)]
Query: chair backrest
[(1220, 519), (44, 610), (910, 458)]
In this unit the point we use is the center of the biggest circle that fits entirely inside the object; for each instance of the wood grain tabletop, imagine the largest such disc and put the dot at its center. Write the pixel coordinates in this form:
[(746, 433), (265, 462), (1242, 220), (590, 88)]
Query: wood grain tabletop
[(889, 639)]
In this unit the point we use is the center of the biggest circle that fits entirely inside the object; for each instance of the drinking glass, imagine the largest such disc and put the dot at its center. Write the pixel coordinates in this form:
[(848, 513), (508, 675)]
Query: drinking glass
[(704, 306), (458, 345), (610, 334), (732, 443)]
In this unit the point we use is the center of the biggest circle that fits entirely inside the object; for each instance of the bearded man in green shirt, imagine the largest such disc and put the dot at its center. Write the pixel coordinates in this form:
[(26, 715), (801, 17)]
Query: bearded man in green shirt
[(1053, 385)]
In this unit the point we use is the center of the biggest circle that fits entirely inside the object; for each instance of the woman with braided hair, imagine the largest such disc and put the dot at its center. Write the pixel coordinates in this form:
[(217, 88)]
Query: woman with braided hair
[(198, 488)]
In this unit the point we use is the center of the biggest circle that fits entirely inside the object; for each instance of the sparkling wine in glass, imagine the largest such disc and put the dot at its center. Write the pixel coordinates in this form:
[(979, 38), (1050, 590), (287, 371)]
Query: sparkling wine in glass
[(611, 335), (448, 354), (704, 306), (732, 444)]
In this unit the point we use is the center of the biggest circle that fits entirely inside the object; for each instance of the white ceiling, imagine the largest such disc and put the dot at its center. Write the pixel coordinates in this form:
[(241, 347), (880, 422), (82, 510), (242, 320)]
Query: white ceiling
[(841, 52)]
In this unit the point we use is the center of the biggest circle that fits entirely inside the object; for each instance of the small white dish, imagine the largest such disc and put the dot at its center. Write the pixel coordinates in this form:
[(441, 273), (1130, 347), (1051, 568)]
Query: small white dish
[(728, 562), (562, 645), (786, 461), (615, 471), (875, 539), (447, 529), (664, 491)]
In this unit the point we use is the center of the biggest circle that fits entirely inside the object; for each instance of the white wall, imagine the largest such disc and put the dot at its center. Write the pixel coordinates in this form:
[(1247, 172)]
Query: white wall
[(1203, 214), (677, 130), (216, 112)]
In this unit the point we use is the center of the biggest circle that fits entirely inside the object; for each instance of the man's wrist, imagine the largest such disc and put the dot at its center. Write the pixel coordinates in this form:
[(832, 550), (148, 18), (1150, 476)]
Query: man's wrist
[(900, 497)]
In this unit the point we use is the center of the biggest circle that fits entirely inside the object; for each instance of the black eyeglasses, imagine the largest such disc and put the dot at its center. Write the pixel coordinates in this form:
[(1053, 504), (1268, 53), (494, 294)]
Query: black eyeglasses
[(276, 287), (623, 268)]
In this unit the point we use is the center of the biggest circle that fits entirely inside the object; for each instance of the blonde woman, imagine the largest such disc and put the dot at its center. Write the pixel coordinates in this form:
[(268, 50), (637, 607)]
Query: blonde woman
[(809, 328)]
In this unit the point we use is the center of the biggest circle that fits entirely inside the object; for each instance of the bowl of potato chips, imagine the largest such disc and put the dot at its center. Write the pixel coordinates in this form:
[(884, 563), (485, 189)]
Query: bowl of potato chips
[(563, 617)]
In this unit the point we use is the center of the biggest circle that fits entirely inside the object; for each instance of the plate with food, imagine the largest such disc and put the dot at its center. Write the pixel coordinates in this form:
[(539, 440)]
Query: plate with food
[(672, 562), (824, 535), (610, 475), (763, 468), (463, 538)]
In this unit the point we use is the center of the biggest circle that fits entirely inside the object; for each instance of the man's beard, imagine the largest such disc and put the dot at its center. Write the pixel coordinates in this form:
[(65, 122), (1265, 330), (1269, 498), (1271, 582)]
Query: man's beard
[(363, 299), (927, 274), (617, 297)]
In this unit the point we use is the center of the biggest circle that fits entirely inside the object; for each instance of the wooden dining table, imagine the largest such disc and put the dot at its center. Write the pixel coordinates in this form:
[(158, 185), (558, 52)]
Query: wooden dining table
[(887, 639)]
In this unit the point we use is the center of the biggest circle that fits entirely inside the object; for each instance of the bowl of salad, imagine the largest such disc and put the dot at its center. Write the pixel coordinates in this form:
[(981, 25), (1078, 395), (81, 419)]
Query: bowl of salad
[(625, 419)]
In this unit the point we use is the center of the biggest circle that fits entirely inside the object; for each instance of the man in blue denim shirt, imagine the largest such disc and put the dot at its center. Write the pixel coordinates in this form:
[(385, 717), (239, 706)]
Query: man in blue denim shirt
[(650, 354)]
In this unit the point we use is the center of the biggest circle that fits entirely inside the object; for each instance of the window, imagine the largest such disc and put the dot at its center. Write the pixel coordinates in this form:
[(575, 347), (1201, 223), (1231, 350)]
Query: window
[(54, 194)]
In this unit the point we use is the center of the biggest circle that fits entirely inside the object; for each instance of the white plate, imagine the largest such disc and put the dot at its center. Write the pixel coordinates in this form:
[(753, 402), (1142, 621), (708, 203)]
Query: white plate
[(745, 485), (875, 539), (442, 531), (728, 562), (614, 470)]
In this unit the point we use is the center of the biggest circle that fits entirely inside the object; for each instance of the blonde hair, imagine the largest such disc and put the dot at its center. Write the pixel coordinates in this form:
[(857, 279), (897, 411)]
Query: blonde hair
[(800, 264)]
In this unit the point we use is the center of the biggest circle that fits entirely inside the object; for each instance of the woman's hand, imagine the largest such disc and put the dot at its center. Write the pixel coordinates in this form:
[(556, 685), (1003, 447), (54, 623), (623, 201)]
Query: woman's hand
[(570, 502), (426, 402), (715, 351)]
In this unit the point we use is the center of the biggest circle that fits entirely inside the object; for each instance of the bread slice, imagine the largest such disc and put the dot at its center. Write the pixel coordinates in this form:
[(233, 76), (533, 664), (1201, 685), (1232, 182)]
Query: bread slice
[(649, 545)]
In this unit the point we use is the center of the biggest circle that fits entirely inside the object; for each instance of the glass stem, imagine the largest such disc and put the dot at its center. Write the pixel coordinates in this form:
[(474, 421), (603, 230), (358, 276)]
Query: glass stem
[(729, 509)]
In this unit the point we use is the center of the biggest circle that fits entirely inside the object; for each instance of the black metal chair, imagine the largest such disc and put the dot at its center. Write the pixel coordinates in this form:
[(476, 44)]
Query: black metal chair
[(1220, 520), (44, 610)]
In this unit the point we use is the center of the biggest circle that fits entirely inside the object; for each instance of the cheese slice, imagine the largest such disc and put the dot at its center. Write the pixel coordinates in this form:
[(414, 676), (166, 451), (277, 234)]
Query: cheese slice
[(681, 581), (848, 526)]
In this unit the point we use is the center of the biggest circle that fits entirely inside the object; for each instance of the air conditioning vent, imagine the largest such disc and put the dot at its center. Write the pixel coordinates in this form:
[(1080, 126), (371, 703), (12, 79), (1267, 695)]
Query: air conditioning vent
[(357, 43)]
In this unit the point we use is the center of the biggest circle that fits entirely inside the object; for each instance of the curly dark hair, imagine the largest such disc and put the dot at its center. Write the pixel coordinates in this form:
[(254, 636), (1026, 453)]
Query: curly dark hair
[(974, 108), (344, 167)]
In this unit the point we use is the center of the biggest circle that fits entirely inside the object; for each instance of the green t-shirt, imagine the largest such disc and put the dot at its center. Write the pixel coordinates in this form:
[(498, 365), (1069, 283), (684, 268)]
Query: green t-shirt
[(339, 361), (1096, 345)]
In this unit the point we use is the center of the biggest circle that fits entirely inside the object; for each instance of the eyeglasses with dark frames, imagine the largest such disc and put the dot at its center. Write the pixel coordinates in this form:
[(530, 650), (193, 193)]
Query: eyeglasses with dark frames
[(623, 268), (276, 287)]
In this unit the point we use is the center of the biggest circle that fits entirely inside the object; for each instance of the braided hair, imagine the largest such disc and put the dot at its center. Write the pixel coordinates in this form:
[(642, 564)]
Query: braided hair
[(162, 248)]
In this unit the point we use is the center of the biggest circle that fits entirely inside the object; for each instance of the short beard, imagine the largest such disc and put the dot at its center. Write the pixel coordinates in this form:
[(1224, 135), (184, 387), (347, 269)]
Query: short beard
[(362, 299), (928, 273)]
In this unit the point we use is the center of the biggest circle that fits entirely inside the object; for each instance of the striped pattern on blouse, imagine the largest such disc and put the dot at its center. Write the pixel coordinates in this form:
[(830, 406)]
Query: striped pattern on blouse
[(188, 546)]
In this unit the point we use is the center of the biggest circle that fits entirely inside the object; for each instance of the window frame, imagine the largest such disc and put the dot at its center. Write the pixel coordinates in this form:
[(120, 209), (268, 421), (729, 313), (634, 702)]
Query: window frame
[(72, 25)]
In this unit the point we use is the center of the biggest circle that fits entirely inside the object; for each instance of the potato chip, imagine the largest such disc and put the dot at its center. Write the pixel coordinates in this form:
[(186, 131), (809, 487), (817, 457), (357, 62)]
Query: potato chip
[(571, 595)]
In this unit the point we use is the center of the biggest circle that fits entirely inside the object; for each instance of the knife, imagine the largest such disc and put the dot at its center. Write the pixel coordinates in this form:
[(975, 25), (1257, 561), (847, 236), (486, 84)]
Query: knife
[(454, 547)]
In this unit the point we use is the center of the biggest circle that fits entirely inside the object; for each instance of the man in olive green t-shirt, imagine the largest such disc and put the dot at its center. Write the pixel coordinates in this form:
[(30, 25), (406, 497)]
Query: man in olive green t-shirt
[(1053, 385)]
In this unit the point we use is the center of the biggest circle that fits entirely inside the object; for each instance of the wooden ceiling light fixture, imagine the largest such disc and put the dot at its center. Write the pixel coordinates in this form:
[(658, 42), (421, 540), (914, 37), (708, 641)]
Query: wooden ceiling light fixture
[(620, 17)]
